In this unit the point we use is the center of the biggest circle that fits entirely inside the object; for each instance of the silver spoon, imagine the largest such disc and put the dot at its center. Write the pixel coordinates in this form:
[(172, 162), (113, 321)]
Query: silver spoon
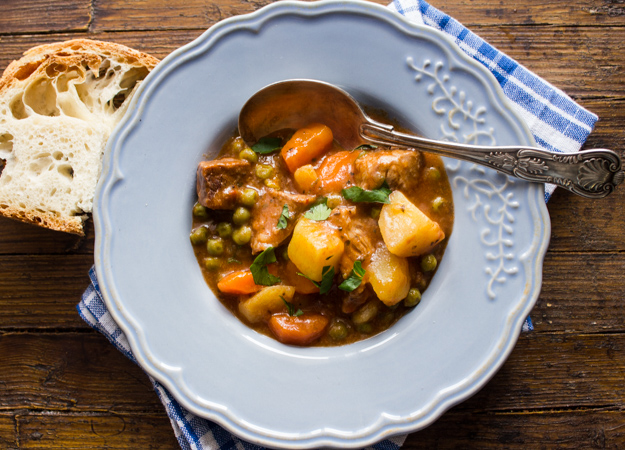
[(297, 103)]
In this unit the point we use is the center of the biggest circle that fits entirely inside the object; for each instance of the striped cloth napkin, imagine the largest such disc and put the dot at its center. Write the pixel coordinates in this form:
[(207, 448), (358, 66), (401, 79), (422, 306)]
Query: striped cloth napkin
[(556, 121)]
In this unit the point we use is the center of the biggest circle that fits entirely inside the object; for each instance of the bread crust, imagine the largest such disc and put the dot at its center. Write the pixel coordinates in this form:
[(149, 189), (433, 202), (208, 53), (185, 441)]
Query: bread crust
[(76, 51), (53, 58)]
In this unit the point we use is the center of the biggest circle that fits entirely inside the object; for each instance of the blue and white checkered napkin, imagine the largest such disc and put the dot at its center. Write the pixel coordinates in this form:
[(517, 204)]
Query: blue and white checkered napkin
[(555, 120)]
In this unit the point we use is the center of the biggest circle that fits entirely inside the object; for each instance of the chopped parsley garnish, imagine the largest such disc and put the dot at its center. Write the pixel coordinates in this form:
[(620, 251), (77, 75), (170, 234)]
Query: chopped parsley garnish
[(259, 268), (319, 212), (284, 216), (360, 195), (354, 279), (233, 261), (290, 308), (327, 277), (267, 145)]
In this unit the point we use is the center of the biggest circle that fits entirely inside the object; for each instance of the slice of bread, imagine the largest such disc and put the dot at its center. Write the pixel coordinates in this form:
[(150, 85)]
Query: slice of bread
[(58, 105)]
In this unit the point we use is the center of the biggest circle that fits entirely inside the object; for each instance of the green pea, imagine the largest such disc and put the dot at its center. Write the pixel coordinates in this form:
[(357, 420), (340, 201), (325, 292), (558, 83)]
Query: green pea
[(433, 174), (428, 263), (241, 215), (248, 197), (199, 235), (413, 298), (248, 154), (365, 328), (366, 313), (238, 144), (224, 230), (199, 211), (264, 171), (375, 212), (242, 236), (338, 331), (438, 203), (215, 247), (211, 263)]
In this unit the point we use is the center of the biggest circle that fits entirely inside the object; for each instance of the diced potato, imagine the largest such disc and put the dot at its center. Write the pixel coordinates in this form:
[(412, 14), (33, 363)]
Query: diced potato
[(313, 246), (405, 229), (389, 276), (264, 303), (306, 178)]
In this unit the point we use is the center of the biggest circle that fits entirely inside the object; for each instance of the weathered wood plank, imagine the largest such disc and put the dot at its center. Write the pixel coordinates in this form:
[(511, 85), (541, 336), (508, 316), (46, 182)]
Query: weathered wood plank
[(71, 372), (83, 372), (43, 16), (579, 429), (557, 371), (96, 431), (572, 430), (584, 62), (581, 293), (42, 291), (161, 14), (8, 436), (21, 238)]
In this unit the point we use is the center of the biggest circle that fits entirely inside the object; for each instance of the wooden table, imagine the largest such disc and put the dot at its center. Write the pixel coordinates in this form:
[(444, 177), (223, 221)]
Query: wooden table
[(62, 385)]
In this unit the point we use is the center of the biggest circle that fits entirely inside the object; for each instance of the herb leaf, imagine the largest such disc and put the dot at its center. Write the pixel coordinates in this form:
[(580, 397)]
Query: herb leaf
[(284, 216), (233, 261), (327, 277), (319, 212), (266, 145), (259, 268), (358, 194), (354, 279), (290, 308), (366, 147)]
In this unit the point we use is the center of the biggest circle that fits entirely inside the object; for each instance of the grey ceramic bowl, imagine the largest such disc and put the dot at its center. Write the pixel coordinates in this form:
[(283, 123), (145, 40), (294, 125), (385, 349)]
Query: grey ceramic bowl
[(265, 392)]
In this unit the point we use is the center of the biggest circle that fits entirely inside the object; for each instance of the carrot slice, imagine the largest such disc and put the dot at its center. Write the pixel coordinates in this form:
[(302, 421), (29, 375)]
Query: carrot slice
[(239, 282), (302, 330), (336, 170), (242, 281), (306, 144)]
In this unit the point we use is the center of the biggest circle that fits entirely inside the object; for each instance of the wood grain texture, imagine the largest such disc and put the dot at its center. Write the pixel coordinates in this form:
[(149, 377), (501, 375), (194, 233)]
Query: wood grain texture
[(95, 431), (44, 16), (159, 14), (576, 430), (8, 434), (70, 372), (42, 291)]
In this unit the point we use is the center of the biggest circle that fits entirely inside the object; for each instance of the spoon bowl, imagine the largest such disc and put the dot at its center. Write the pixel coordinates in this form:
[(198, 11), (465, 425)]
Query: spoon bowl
[(292, 104)]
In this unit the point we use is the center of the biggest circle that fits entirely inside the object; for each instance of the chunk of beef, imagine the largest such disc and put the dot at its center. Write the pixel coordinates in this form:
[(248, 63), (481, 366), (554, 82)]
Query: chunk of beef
[(400, 168), (218, 182), (361, 236), (358, 297), (359, 232), (267, 212)]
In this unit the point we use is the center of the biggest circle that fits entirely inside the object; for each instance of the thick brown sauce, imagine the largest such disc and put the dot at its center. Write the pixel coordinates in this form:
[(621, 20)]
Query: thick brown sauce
[(237, 257)]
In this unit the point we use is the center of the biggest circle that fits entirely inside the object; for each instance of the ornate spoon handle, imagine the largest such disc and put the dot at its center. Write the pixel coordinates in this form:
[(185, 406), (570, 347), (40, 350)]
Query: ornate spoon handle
[(589, 173)]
